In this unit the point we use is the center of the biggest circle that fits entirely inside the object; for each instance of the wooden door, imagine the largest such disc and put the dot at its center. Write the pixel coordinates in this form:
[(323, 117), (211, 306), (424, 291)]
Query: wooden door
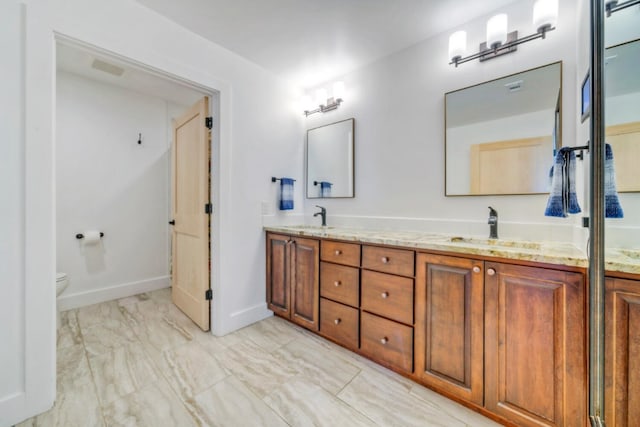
[(190, 194), (622, 357), (305, 283), (449, 325), (535, 345), (278, 295), (625, 145)]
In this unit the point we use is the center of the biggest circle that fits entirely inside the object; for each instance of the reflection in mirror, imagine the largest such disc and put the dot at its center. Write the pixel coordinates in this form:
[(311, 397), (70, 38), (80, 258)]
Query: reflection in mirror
[(622, 112), (330, 160), (501, 136)]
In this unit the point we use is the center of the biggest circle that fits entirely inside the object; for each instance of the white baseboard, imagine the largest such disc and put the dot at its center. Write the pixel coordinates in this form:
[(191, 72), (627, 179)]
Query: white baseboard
[(242, 318), (95, 296)]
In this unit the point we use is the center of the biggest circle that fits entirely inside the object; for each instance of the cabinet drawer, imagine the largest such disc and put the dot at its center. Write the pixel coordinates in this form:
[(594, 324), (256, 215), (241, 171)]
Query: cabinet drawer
[(387, 260), (339, 322), (341, 253), (387, 341), (340, 283), (387, 295)]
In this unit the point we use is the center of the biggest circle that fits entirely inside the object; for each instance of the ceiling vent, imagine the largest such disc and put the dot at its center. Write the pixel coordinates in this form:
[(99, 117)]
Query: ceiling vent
[(107, 68)]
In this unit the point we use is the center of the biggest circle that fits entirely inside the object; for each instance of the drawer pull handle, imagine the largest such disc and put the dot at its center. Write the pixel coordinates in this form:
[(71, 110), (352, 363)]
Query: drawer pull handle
[(491, 272), (476, 269), (385, 260), (338, 252), (337, 283), (384, 340), (337, 321), (384, 295)]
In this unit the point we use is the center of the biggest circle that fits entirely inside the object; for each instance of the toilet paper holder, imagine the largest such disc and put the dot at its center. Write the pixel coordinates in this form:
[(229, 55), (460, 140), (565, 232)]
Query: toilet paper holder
[(81, 236)]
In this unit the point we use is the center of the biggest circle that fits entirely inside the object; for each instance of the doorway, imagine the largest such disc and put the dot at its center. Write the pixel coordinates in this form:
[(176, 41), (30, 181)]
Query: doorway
[(113, 175)]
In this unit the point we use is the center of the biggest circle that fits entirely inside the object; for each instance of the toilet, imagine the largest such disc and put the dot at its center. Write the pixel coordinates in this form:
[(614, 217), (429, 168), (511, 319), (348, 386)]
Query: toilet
[(61, 284)]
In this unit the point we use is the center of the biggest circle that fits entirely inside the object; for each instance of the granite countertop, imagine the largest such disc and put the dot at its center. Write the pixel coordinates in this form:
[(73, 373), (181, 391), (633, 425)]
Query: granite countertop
[(621, 260)]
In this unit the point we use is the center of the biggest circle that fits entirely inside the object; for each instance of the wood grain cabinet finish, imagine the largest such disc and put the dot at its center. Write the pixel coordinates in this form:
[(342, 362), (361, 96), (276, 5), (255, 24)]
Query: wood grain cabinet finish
[(341, 253), (340, 283), (388, 260), (449, 325), (340, 323), (293, 286), (388, 296), (535, 345), (387, 341), (622, 357)]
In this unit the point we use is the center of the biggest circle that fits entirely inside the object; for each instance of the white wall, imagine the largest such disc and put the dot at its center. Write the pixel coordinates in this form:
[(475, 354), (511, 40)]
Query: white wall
[(258, 135), (398, 103), (107, 181)]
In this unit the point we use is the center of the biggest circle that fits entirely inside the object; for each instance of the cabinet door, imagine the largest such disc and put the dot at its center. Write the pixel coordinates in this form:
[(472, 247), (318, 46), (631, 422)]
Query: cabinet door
[(305, 284), (535, 345), (622, 358), (449, 325), (278, 295)]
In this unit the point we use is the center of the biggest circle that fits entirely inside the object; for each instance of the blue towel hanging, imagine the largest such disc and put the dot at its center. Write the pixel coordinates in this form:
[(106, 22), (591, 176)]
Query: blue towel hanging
[(286, 194), (325, 189), (612, 208), (562, 198)]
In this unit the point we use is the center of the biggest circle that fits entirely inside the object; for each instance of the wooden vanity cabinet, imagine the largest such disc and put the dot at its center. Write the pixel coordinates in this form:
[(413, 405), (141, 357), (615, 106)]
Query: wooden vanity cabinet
[(449, 325), (293, 287), (622, 352), (535, 345)]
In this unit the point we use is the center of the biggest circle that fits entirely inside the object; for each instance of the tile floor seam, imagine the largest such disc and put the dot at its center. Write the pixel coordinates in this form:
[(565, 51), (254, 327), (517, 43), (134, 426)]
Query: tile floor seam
[(93, 381)]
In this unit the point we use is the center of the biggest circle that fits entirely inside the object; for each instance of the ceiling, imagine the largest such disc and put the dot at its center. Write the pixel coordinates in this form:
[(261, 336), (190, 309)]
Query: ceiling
[(308, 41), (79, 61)]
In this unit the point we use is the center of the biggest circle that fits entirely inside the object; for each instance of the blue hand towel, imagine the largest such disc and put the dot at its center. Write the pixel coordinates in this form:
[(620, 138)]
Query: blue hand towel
[(286, 194), (612, 208), (562, 198), (325, 189)]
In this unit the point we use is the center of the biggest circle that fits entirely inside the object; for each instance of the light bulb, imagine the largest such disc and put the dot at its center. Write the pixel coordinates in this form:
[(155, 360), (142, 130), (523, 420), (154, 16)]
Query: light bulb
[(338, 90), (497, 30), (545, 14), (321, 96), (457, 45)]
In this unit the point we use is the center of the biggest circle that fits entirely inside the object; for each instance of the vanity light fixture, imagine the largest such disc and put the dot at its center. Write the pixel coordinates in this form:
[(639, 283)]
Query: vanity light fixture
[(499, 40), (323, 101), (612, 6)]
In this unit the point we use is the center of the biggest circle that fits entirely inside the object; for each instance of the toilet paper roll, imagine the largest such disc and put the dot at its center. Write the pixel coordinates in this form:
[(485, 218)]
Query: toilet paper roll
[(91, 237)]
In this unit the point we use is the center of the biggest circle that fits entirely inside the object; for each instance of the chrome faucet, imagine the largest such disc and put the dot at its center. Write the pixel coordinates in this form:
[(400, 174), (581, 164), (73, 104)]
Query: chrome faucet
[(323, 214), (493, 223)]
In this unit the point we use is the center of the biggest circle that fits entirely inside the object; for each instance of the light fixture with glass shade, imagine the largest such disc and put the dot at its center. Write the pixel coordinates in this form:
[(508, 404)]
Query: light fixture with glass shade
[(499, 41), (324, 102), (611, 6)]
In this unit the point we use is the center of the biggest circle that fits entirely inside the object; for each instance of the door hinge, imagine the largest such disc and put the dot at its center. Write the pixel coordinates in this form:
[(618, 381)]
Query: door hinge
[(208, 208), (208, 295), (208, 122)]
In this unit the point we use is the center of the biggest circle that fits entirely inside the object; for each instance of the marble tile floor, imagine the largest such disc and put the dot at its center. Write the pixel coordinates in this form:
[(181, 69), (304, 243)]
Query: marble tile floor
[(139, 361)]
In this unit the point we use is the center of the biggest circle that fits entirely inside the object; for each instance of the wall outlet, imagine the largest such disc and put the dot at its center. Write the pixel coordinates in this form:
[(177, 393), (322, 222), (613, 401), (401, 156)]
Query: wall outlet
[(267, 208)]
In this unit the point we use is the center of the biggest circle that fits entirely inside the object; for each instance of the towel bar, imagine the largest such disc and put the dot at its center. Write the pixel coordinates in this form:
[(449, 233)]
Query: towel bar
[(274, 179)]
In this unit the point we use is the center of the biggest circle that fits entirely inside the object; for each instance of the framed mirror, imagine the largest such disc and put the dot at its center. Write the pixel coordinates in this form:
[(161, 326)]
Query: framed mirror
[(501, 136), (330, 160), (622, 112)]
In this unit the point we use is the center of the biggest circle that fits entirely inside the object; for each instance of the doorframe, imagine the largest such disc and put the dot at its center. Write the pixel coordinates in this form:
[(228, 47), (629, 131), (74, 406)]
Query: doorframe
[(219, 103)]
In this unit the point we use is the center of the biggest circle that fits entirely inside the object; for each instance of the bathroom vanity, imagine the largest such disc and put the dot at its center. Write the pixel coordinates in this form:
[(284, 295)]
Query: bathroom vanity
[(499, 326)]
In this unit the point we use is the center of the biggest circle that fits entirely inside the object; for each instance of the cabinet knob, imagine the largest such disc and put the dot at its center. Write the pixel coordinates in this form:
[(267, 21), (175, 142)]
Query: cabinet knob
[(337, 321), (476, 269), (337, 283), (338, 252), (384, 340), (491, 272), (385, 295), (385, 260)]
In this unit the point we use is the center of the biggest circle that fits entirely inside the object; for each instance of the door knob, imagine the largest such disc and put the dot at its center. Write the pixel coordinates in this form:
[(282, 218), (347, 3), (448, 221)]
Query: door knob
[(172, 222)]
